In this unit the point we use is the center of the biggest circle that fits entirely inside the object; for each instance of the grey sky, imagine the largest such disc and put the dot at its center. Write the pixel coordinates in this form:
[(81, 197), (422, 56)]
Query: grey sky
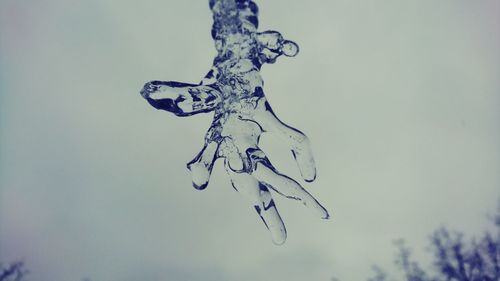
[(400, 99)]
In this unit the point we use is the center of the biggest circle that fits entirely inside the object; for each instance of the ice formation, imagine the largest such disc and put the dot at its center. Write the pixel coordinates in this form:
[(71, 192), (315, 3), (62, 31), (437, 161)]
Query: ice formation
[(233, 89)]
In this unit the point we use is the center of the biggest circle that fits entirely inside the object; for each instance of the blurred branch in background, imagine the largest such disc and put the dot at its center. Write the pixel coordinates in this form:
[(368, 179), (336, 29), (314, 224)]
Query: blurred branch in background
[(13, 272), (455, 259)]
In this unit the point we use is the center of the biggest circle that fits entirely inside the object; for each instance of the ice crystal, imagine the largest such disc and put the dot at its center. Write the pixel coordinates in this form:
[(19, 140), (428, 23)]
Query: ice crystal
[(233, 89)]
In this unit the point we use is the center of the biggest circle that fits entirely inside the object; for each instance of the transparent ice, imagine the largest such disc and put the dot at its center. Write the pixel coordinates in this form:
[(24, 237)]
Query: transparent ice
[(233, 89)]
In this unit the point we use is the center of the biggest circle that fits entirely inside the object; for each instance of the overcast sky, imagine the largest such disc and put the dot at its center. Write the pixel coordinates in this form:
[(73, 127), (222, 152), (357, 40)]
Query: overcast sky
[(400, 99)]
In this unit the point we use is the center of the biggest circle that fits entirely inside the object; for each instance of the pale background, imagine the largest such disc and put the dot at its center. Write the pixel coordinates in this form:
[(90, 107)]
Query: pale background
[(400, 99)]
